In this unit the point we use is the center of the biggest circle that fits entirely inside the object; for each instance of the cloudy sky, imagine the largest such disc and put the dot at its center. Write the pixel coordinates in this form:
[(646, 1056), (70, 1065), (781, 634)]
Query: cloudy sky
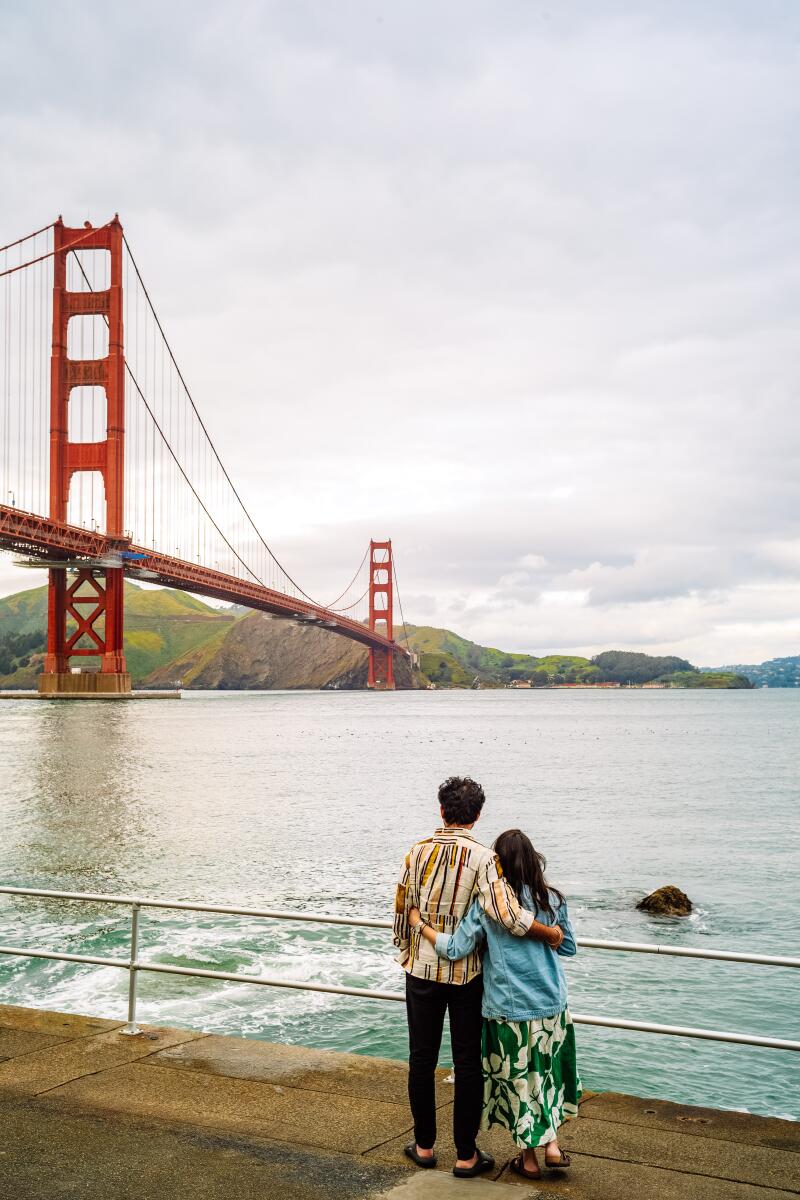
[(514, 283)]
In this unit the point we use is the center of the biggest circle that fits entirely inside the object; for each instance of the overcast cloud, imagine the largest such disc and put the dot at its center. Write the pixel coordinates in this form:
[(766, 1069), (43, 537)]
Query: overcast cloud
[(513, 283)]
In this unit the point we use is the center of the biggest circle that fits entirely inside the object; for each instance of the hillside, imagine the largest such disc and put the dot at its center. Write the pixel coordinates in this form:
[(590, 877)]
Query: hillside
[(449, 660), (263, 652), (707, 679), (776, 673), (160, 626)]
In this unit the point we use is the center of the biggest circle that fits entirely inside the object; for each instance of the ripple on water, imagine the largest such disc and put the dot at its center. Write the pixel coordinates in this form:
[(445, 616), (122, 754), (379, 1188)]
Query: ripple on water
[(310, 800)]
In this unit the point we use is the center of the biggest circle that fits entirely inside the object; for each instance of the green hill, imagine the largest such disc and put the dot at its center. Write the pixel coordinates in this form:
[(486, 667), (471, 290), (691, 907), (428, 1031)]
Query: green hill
[(628, 666), (160, 626), (448, 660), (707, 679), (442, 652)]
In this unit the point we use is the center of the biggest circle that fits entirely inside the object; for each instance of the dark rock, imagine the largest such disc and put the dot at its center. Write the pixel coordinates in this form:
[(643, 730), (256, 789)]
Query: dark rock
[(667, 901)]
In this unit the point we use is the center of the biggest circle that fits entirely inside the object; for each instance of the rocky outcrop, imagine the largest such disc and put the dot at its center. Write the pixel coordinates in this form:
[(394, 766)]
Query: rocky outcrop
[(668, 901), (262, 652)]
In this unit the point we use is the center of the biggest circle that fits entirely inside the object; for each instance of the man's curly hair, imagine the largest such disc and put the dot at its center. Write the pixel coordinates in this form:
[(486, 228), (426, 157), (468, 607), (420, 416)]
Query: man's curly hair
[(461, 799)]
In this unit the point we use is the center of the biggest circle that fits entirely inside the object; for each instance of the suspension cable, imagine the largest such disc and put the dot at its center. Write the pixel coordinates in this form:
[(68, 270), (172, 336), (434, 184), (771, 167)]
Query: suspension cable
[(355, 603), (154, 419), (208, 435), (350, 584), (400, 604), (50, 253), (70, 247), (27, 237)]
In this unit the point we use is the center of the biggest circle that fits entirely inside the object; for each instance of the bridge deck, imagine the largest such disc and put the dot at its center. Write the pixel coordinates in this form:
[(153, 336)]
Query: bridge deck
[(89, 1112), (30, 533)]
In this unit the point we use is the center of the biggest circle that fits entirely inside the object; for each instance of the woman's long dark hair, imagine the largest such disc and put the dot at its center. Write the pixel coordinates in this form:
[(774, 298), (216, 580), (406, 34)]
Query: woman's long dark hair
[(523, 866)]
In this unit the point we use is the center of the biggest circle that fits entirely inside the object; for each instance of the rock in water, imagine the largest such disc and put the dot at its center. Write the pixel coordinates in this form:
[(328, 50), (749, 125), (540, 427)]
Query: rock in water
[(667, 901)]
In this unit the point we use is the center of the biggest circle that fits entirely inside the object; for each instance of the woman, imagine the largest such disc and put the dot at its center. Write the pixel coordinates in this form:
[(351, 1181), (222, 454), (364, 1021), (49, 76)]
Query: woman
[(531, 1083)]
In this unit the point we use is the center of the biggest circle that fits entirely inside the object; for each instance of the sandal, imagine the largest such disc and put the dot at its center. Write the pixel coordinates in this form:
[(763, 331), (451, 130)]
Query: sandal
[(485, 1163), (559, 1164), (410, 1151), (519, 1168)]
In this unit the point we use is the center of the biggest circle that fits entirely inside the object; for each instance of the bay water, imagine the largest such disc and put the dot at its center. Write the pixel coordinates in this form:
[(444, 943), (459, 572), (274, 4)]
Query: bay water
[(308, 801)]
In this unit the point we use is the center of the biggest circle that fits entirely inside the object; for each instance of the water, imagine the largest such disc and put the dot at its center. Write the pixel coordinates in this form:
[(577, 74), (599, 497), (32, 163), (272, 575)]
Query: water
[(310, 800)]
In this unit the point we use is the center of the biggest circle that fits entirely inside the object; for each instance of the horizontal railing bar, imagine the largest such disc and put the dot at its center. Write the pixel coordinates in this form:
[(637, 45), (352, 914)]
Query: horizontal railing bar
[(266, 981), (22, 952), (764, 960), (689, 1031), (399, 997), (189, 906)]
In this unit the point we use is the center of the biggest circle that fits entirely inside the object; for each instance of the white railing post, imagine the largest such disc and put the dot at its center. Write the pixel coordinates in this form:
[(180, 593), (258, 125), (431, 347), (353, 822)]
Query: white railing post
[(133, 973)]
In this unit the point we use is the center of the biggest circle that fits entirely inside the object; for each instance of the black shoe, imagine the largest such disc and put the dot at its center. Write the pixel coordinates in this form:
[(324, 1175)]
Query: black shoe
[(410, 1151), (485, 1163)]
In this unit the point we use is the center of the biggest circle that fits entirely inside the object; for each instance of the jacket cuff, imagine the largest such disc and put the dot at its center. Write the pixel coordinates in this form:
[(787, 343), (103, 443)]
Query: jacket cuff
[(442, 944)]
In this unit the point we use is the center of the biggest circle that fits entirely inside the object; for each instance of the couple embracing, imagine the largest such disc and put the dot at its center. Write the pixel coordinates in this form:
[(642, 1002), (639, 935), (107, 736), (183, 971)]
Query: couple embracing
[(480, 933)]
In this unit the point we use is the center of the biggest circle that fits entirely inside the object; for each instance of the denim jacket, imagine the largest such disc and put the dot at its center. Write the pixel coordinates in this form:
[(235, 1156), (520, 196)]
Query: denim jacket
[(523, 979)]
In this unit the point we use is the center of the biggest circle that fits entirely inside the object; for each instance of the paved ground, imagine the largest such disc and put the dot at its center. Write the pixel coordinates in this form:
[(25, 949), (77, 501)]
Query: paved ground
[(90, 1114)]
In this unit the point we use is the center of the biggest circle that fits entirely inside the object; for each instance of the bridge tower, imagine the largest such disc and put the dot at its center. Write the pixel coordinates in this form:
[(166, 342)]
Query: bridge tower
[(85, 618), (381, 602)]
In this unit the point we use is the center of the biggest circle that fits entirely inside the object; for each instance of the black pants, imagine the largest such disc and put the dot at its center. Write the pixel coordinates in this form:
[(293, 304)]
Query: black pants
[(426, 1004)]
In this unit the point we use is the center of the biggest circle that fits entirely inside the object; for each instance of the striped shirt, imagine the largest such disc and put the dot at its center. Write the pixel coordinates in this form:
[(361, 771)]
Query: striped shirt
[(441, 876)]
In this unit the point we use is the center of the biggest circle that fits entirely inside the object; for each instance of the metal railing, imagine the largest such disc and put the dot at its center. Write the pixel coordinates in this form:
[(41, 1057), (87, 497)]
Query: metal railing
[(134, 966)]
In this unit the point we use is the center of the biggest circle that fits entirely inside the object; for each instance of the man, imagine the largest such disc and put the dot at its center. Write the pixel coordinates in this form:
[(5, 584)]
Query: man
[(441, 876)]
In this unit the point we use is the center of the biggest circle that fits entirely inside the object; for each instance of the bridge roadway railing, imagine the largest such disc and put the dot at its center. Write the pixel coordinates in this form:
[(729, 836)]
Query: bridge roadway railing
[(134, 966)]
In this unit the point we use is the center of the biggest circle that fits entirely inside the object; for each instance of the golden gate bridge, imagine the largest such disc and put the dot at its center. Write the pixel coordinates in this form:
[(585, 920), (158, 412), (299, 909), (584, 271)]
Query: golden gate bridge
[(108, 471)]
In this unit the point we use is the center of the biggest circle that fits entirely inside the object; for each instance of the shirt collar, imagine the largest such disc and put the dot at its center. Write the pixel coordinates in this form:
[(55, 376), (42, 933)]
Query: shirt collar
[(454, 831)]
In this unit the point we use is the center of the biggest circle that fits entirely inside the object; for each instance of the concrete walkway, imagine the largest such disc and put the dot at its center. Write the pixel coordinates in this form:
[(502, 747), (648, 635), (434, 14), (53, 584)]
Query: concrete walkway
[(90, 1114)]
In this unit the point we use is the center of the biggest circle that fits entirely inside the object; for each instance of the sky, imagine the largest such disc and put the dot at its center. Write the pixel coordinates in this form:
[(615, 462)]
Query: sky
[(515, 284)]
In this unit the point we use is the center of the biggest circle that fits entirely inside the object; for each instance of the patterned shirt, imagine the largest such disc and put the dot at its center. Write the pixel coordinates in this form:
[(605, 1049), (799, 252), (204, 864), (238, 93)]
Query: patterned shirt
[(441, 876)]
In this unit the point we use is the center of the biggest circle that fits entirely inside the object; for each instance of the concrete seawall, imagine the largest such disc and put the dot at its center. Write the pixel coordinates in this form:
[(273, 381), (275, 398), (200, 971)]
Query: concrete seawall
[(90, 1114)]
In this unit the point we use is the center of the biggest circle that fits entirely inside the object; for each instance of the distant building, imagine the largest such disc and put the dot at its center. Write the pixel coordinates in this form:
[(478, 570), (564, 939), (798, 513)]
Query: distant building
[(521, 683), (586, 685)]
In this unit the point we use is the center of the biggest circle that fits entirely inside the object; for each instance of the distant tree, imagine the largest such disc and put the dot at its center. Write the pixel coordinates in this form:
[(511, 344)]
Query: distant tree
[(623, 666)]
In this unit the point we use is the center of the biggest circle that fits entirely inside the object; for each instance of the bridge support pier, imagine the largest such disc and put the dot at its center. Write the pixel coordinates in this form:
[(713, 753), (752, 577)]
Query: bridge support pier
[(66, 686), (84, 618), (381, 618)]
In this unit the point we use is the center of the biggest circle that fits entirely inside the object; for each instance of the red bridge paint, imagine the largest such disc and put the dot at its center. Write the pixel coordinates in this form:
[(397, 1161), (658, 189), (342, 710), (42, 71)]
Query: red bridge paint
[(94, 600), (107, 457), (381, 570)]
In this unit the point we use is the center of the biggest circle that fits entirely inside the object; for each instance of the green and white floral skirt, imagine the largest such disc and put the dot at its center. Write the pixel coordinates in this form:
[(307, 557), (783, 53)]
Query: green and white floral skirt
[(531, 1084)]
